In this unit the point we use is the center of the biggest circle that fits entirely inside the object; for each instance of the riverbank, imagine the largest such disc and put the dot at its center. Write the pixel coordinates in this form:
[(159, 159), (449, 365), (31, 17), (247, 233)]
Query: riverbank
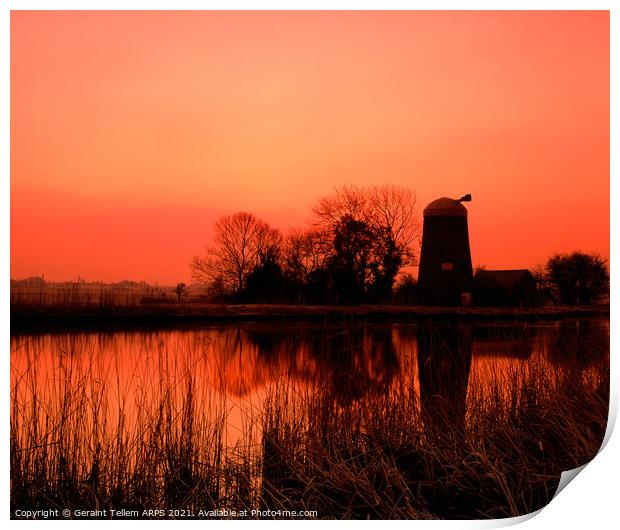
[(45, 318)]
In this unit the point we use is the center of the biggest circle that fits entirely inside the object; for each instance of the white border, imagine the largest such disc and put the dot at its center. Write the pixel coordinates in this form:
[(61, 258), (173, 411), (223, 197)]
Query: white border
[(590, 500)]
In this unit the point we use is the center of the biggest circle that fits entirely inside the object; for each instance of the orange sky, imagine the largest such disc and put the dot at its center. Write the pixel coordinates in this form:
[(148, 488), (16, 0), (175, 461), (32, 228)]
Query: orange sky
[(131, 132)]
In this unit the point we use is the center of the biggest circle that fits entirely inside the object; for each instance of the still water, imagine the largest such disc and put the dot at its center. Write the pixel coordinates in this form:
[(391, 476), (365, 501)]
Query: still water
[(231, 371)]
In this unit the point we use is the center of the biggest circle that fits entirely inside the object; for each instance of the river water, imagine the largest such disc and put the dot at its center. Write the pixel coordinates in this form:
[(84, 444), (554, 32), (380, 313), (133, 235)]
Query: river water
[(232, 370)]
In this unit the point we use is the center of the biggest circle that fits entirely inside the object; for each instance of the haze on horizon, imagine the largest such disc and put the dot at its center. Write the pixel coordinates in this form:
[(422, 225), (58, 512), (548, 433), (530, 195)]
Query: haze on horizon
[(132, 132)]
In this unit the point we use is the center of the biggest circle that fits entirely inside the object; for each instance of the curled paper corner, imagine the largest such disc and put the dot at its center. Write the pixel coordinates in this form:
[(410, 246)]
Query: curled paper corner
[(513, 521), (567, 476), (611, 420)]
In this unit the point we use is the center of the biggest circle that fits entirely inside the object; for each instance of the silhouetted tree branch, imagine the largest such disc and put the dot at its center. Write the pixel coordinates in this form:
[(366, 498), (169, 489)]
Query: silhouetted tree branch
[(374, 231), (241, 241), (306, 251)]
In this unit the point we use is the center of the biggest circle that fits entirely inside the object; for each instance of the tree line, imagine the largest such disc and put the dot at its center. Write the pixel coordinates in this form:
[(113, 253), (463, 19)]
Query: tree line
[(359, 240)]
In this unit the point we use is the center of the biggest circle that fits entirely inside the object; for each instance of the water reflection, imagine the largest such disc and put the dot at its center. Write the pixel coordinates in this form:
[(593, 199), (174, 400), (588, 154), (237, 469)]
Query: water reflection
[(578, 341), (512, 339), (233, 369), (444, 361), (246, 415)]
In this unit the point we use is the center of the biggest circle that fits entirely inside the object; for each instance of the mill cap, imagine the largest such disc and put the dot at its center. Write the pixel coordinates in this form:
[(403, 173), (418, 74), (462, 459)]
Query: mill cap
[(447, 207)]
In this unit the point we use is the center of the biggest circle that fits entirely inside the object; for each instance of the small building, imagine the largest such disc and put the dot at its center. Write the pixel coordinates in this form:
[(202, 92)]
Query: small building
[(515, 287)]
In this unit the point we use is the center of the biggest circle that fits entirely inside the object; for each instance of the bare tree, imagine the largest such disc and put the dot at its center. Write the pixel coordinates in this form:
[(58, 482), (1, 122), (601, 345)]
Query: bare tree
[(306, 251), (393, 217), (387, 218), (348, 201), (241, 242)]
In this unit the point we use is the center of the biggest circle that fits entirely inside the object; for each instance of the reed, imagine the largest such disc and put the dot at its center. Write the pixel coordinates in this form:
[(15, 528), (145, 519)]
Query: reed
[(392, 457), (84, 437), (155, 442)]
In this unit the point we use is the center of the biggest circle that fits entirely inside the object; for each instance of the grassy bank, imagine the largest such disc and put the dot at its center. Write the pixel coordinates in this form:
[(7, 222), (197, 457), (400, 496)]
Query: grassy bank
[(32, 318)]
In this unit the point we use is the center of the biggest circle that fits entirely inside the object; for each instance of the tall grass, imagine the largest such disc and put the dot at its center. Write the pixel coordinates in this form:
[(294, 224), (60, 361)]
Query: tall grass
[(83, 437), (391, 456), (158, 433)]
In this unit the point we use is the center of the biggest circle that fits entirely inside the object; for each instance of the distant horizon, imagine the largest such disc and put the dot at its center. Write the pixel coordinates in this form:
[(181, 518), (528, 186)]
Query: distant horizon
[(133, 132), (188, 281)]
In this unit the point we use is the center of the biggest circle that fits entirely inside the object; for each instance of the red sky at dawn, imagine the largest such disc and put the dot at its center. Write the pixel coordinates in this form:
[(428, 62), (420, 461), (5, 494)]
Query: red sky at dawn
[(131, 132)]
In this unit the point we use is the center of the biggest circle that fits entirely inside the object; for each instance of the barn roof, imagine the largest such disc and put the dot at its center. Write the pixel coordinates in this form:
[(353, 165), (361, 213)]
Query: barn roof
[(503, 278)]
